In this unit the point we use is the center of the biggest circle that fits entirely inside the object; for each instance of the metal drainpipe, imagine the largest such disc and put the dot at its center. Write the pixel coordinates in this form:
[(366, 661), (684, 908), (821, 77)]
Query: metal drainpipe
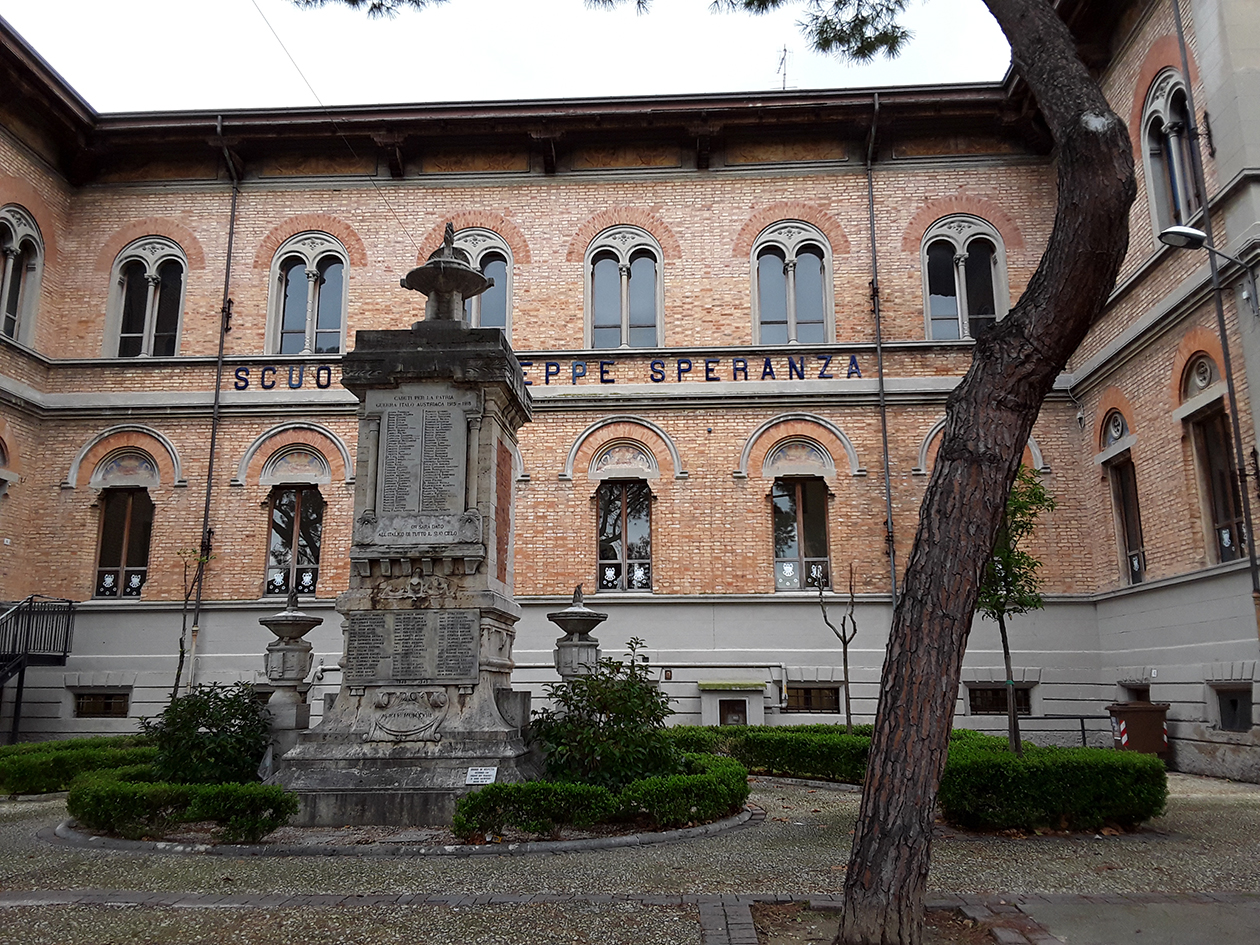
[(225, 315), (1196, 163), (889, 536)]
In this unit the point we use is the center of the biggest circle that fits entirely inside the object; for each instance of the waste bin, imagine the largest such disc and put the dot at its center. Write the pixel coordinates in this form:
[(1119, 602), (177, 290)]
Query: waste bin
[(1140, 726)]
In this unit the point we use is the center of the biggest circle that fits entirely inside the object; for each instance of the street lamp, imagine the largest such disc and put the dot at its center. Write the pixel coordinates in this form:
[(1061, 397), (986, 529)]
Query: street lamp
[(1187, 237)]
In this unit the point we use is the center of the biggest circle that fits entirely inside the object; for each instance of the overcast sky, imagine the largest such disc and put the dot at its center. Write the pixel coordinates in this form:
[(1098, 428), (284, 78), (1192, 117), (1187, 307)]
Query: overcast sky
[(131, 55)]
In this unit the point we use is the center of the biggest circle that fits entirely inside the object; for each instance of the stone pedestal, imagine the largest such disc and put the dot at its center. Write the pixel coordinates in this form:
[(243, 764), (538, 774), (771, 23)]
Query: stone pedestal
[(287, 663), (425, 707)]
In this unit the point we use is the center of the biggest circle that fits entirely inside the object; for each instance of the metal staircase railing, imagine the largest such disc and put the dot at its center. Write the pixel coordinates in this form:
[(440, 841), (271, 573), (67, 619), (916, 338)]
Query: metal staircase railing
[(37, 631)]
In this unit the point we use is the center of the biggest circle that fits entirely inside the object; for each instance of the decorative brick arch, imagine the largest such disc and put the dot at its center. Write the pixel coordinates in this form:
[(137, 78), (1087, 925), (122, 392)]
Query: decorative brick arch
[(658, 442), (1162, 54), (634, 216), (961, 202), (315, 437), (151, 226), (1031, 457), (805, 425), (301, 223), (1112, 398), (1193, 342), (10, 452), (14, 190), (790, 210), (136, 436), (486, 219)]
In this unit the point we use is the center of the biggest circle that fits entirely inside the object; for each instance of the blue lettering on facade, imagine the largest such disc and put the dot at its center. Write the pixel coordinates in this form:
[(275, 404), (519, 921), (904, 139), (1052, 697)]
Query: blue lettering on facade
[(550, 369), (854, 370), (579, 370), (604, 377), (739, 366), (301, 369), (795, 369), (826, 363), (767, 370), (242, 378), (709, 364), (525, 366), (262, 377), (683, 370), (323, 377), (658, 371)]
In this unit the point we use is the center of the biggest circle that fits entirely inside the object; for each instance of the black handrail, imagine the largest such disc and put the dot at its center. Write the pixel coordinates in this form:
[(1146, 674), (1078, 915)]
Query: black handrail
[(37, 626)]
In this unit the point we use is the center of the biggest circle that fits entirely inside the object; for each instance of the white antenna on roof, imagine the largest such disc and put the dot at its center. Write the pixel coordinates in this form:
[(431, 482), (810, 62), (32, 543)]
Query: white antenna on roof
[(783, 60)]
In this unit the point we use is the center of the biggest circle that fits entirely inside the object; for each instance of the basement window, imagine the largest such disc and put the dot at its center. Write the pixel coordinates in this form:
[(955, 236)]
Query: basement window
[(813, 698), (102, 705), (1235, 709), (991, 700)]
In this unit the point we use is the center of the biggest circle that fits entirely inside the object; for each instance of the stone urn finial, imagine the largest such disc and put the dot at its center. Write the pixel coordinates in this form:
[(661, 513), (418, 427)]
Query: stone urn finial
[(286, 663), (448, 278), (577, 652)]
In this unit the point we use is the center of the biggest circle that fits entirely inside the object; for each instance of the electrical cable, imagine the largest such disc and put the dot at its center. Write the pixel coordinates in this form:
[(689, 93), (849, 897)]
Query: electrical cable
[(332, 121)]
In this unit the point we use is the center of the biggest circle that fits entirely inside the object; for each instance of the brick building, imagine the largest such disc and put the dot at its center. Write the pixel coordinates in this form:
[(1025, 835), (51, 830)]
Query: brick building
[(688, 283)]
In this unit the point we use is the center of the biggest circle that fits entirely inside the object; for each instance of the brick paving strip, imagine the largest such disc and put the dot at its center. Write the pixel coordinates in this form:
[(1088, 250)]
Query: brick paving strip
[(724, 919)]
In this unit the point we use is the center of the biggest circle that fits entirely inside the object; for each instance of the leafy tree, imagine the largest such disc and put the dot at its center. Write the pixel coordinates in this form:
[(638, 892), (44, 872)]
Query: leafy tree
[(607, 727), (989, 417), (1011, 583), (212, 735)]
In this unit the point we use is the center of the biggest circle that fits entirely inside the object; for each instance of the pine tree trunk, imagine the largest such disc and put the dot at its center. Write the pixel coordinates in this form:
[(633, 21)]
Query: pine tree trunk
[(988, 420), (1012, 717)]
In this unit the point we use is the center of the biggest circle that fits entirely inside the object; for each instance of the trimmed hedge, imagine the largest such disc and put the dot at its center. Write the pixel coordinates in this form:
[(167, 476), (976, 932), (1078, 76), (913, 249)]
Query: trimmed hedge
[(32, 772), (824, 752), (987, 787), (73, 744), (131, 803), (711, 788), (984, 785)]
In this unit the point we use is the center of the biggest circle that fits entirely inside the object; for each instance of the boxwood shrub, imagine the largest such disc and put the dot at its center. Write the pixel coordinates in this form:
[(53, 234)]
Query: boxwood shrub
[(131, 802), (38, 772), (73, 744), (711, 787), (987, 787), (984, 785)]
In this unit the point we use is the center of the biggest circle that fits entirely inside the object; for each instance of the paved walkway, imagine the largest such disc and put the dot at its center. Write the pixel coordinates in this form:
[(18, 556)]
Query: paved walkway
[(1204, 857)]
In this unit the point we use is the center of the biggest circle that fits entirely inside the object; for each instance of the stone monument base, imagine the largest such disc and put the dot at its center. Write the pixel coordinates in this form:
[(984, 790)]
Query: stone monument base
[(398, 785)]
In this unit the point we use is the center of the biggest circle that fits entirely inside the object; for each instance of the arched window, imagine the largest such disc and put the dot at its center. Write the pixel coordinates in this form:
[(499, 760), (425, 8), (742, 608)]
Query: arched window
[(964, 277), (147, 301), (1214, 459), (624, 535), (624, 299), (308, 296), (23, 249), (297, 524), (489, 253), (792, 286), (124, 478), (800, 534), (1170, 184), (1124, 496)]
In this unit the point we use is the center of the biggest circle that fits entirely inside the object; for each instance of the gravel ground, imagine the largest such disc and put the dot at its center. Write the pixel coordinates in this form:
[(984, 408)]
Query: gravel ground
[(574, 924), (1209, 840)]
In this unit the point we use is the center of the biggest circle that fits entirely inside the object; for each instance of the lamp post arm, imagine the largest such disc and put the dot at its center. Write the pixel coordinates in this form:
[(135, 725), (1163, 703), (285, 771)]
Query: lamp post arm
[(1247, 274)]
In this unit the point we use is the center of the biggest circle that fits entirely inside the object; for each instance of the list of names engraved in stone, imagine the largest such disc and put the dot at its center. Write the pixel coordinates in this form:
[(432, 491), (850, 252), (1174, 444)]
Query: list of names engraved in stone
[(398, 450), (457, 643), (439, 474), (411, 646), (365, 646)]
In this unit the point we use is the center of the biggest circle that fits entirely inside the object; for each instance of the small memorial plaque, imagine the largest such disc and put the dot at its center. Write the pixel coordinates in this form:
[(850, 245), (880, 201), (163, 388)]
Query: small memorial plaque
[(481, 775), (420, 647)]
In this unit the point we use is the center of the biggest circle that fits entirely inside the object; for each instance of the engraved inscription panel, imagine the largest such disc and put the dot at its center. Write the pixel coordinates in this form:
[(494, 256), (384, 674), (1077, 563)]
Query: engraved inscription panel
[(421, 459), (419, 647)]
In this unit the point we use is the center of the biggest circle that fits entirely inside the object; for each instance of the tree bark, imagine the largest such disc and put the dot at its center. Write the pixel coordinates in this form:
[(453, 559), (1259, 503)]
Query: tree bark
[(1012, 717), (988, 420)]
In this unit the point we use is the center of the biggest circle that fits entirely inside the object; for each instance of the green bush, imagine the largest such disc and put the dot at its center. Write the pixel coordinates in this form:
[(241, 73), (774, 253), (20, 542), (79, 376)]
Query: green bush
[(712, 787), (212, 735), (987, 787), (41, 772), (607, 727), (798, 751), (131, 802), (535, 806), (74, 744)]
